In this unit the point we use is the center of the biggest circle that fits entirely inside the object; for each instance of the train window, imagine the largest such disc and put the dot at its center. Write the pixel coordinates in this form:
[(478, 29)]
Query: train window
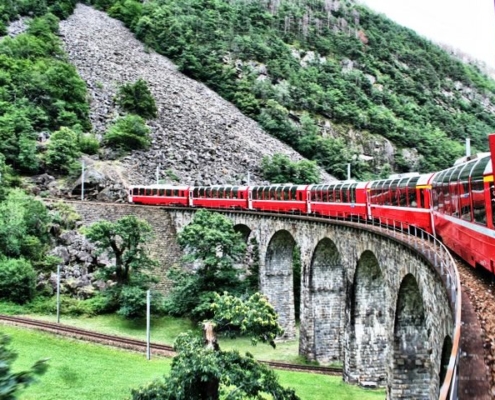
[(135, 191), (161, 192), (345, 195), (402, 192), (235, 193), (286, 193), (202, 191), (422, 198), (395, 192), (353, 192), (176, 192), (148, 192), (478, 196), (411, 194), (465, 202), (221, 193)]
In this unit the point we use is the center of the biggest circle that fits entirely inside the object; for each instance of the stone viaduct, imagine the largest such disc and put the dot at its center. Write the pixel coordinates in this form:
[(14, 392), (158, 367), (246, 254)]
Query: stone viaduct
[(368, 300)]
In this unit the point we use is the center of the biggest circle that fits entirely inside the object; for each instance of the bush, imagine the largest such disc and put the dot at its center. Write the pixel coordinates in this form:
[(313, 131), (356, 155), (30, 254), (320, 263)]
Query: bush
[(88, 144), (128, 133), (62, 150), (133, 302), (17, 280), (136, 98)]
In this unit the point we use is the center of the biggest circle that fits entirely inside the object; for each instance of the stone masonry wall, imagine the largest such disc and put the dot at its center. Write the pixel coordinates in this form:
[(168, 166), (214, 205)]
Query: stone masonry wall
[(348, 306)]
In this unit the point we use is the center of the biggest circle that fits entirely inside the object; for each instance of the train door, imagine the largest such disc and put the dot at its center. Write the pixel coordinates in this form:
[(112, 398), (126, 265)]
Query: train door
[(308, 199), (250, 198), (190, 201)]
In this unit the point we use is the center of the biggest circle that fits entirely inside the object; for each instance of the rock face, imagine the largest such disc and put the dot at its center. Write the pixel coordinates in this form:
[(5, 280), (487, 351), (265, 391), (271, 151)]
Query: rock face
[(198, 137)]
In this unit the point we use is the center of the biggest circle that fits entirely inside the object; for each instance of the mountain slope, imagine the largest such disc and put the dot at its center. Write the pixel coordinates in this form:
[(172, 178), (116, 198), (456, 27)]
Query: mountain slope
[(197, 138)]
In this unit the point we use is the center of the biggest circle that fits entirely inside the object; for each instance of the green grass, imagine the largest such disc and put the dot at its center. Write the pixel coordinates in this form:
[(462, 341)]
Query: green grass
[(79, 370), (164, 330)]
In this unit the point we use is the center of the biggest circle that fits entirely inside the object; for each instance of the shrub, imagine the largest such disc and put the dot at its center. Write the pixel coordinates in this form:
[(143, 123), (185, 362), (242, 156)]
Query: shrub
[(133, 302), (136, 98), (17, 280), (88, 144), (62, 150), (128, 133)]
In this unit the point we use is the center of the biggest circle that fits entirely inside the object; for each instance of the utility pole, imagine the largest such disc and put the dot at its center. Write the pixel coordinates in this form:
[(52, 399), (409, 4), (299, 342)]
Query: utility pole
[(82, 181), (58, 293), (148, 304)]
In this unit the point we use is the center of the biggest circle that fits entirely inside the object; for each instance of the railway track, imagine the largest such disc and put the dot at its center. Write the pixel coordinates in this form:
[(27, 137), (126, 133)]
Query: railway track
[(140, 345)]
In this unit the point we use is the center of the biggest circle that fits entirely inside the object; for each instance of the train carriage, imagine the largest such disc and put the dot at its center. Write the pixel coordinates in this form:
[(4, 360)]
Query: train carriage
[(403, 199), (463, 213), (345, 199), (235, 197), (280, 198), (159, 195)]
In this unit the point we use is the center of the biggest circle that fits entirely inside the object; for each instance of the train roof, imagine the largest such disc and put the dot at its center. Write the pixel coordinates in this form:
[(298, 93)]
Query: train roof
[(160, 186), (477, 168)]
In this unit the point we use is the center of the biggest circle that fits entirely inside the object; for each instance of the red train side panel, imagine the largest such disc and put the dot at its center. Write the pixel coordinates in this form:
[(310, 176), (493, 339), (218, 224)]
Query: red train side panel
[(280, 198), (339, 199), (463, 201), (161, 195)]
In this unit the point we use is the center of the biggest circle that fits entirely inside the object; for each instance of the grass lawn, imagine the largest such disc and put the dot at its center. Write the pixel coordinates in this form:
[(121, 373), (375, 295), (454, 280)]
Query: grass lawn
[(79, 370), (165, 330)]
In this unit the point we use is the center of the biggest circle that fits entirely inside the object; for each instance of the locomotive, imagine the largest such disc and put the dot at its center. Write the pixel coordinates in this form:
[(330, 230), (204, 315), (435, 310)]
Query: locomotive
[(457, 205)]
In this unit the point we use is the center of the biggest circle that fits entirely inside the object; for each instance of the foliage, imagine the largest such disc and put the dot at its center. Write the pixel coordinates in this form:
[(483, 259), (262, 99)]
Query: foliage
[(133, 302), (12, 382), (280, 169), (40, 91), (17, 280), (341, 64), (254, 316), (124, 241), (88, 144), (62, 150), (65, 215), (23, 226), (128, 133), (136, 98), (210, 242), (202, 372)]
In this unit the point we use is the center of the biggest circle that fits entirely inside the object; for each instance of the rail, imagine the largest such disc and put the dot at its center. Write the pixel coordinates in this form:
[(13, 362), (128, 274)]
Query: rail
[(429, 247)]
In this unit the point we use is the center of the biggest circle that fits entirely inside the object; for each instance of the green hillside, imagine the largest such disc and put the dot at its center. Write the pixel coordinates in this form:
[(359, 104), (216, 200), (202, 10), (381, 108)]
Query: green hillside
[(299, 67), (332, 79)]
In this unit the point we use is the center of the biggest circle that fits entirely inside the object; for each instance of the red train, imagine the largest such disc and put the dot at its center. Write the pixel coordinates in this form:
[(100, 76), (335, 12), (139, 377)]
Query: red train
[(457, 205)]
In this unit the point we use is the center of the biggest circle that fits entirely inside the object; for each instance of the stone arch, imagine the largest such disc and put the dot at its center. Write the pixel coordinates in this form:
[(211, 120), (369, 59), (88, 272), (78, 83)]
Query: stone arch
[(411, 372), (278, 284), (244, 230), (326, 296), (368, 339), (445, 358)]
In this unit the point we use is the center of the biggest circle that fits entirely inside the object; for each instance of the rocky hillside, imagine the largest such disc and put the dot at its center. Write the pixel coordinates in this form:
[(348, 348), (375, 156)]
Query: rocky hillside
[(198, 137)]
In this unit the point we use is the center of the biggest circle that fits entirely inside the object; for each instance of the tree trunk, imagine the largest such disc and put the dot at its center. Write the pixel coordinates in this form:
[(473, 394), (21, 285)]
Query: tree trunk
[(211, 390)]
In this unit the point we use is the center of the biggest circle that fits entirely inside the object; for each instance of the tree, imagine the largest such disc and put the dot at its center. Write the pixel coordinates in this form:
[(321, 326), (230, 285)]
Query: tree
[(17, 280), (124, 241), (211, 242), (62, 150), (201, 371), (280, 169), (128, 133), (11, 382), (136, 98)]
